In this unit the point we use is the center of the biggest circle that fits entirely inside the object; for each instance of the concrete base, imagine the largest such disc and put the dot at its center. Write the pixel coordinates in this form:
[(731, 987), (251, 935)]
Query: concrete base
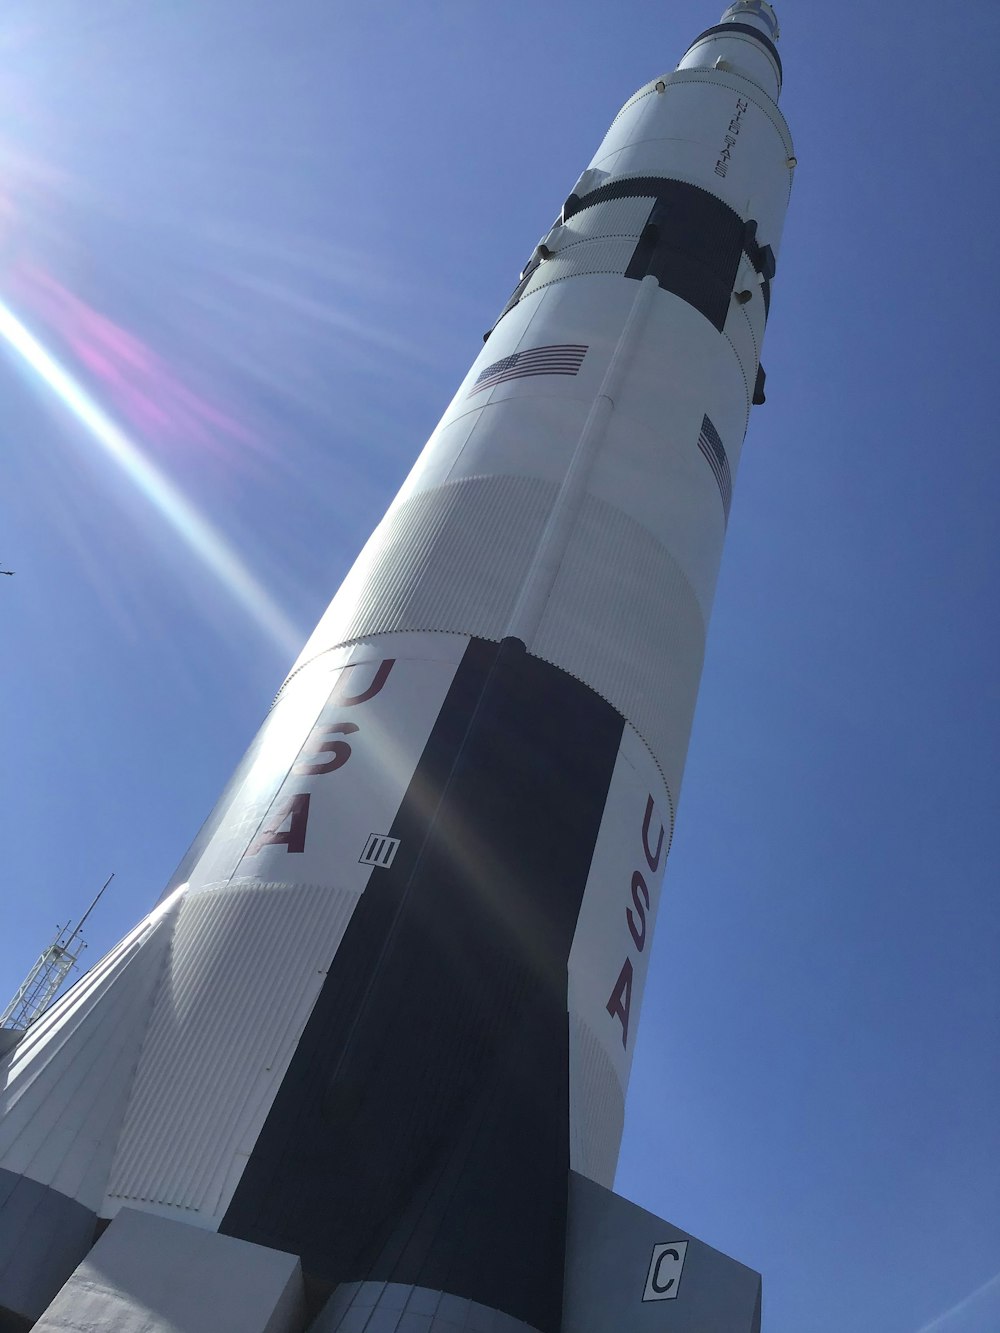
[(43, 1236), (154, 1275)]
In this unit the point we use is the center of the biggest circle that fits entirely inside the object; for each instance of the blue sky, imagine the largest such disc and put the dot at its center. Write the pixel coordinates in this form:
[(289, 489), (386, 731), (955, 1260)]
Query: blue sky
[(265, 240)]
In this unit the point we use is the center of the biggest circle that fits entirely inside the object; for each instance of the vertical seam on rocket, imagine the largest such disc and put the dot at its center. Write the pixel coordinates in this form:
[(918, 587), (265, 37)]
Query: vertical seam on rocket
[(534, 594)]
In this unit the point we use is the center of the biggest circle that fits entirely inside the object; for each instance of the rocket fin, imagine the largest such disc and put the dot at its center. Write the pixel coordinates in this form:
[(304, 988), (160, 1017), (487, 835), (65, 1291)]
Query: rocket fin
[(65, 1088), (629, 1270)]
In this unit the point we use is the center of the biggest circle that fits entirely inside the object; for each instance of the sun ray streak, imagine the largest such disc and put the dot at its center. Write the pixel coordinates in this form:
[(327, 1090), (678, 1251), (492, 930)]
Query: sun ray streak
[(978, 1303), (196, 532)]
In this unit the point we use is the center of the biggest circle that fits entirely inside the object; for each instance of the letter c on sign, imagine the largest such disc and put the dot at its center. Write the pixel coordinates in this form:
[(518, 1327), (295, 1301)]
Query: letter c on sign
[(666, 1264), (659, 1287)]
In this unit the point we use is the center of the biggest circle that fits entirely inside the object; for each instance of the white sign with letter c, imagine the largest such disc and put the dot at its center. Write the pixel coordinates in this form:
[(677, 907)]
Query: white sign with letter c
[(665, 1268)]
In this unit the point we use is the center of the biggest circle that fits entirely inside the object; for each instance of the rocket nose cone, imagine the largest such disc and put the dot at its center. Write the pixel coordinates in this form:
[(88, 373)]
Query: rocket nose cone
[(756, 12)]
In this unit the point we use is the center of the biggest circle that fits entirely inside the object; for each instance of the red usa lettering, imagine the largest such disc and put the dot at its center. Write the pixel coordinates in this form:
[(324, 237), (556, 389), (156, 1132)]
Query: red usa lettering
[(288, 822)]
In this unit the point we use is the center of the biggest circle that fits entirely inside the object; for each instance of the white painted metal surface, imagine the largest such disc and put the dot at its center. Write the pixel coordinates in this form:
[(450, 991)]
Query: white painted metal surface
[(149, 1081), (610, 955), (251, 947), (66, 1085)]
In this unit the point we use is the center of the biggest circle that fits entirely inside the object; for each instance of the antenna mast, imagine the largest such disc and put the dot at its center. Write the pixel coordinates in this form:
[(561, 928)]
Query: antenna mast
[(42, 984)]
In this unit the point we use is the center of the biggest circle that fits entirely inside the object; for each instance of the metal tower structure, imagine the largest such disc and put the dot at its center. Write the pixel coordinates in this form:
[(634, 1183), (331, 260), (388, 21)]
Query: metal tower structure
[(42, 984)]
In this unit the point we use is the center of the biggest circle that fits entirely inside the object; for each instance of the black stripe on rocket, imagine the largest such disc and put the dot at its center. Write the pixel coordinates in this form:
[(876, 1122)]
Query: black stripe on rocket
[(743, 30), (692, 243), (421, 1133)]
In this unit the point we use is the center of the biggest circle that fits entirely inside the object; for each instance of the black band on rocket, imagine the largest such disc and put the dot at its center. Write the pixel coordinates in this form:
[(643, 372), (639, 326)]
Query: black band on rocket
[(428, 1095), (691, 244), (745, 30)]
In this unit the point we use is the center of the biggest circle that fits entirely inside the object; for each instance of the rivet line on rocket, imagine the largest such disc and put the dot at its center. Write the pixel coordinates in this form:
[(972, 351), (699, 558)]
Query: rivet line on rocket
[(725, 78), (534, 594)]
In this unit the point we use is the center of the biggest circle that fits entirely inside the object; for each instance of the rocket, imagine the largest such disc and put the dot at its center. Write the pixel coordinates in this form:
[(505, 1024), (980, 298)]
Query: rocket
[(379, 1027)]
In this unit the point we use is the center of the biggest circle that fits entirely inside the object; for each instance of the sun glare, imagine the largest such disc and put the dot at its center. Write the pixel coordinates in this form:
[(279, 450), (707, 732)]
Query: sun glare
[(196, 532)]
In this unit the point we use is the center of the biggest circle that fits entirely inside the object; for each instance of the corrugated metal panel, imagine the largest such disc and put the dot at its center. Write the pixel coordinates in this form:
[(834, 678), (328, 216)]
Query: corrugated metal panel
[(69, 1080), (597, 1106), (623, 617), (604, 255), (452, 558), (246, 966), (616, 217)]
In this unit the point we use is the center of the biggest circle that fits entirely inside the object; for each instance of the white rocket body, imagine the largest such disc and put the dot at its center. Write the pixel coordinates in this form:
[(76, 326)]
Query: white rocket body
[(451, 831)]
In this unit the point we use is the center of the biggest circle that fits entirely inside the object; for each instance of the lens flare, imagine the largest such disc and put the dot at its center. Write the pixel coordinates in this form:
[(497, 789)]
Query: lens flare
[(197, 533), (137, 384)]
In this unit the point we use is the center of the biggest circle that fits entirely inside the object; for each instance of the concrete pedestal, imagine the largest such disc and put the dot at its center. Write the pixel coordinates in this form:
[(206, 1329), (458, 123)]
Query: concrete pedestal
[(151, 1274)]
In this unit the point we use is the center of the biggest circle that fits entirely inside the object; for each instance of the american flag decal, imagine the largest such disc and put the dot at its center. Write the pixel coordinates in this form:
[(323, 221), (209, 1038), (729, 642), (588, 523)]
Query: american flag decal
[(558, 359), (715, 455)]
